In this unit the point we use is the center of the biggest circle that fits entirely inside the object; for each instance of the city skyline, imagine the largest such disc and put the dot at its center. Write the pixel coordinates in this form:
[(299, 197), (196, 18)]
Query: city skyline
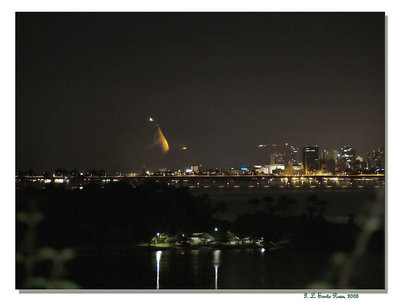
[(287, 159), (218, 84)]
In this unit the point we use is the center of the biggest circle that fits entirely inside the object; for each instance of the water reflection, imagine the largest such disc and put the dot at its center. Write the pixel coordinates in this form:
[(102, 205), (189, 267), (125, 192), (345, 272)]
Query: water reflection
[(158, 258), (216, 261), (196, 262), (200, 269)]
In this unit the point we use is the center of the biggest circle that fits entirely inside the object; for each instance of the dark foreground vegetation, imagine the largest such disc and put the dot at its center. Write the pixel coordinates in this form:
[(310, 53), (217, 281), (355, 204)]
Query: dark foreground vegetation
[(54, 224)]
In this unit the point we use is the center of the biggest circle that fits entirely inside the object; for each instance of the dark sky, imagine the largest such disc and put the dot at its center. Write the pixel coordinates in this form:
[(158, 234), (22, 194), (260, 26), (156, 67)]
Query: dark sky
[(219, 83)]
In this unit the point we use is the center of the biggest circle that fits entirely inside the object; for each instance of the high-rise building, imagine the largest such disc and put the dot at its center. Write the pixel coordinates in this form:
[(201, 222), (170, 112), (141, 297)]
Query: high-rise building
[(347, 159), (360, 166), (325, 154), (335, 155), (277, 158), (310, 159), (376, 160), (294, 155)]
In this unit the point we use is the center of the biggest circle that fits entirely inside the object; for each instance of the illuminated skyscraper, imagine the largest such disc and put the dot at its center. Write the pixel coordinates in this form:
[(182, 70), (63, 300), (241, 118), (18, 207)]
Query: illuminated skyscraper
[(325, 155), (347, 159), (277, 158), (376, 160), (310, 159), (294, 155)]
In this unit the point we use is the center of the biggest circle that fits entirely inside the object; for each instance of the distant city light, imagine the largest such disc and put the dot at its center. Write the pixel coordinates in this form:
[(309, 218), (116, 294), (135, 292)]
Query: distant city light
[(215, 229), (184, 148), (151, 119)]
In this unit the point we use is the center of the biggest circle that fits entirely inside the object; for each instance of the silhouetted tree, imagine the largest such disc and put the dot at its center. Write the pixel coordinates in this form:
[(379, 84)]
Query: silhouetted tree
[(315, 205), (284, 205), (61, 172), (46, 174), (351, 219), (74, 172), (269, 207)]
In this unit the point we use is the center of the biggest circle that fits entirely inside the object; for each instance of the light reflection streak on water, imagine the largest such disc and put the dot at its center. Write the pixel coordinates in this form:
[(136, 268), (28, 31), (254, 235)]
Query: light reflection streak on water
[(158, 258), (216, 276), (196, 263), (216, 261)]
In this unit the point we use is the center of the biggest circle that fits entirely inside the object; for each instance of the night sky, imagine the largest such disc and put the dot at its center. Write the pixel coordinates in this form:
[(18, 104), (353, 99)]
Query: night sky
[(218, 83)]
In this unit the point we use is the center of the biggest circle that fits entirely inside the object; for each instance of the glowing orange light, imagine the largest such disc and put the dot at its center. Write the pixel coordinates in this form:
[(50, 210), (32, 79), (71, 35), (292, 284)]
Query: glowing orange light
[(159, 139)]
